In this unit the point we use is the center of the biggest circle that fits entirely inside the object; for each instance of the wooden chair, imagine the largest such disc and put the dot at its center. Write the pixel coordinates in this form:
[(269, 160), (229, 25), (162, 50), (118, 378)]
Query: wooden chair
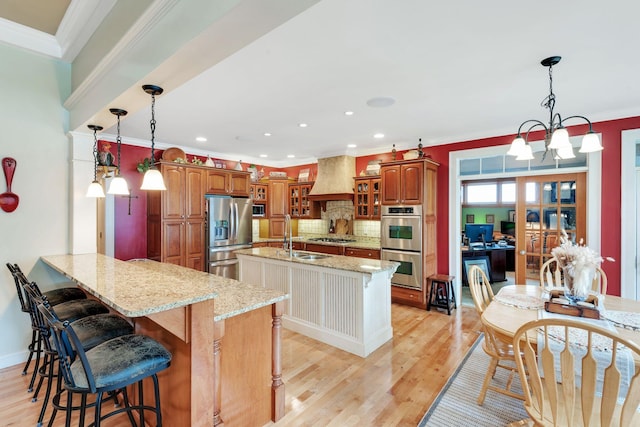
[(573, 401), (498, 347), (551, 276)]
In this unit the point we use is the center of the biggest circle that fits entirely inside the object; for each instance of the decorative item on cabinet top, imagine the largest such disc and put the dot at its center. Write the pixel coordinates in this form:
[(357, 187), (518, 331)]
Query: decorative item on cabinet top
[(173, 153)]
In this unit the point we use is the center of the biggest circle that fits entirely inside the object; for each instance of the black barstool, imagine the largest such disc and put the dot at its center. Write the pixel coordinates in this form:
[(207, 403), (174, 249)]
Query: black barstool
[(55, 296), (94, 325), (108, 368), (441, 293)]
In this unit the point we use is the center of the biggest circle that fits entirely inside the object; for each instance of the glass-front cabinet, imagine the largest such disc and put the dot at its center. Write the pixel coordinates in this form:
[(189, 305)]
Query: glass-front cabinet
[(367, 198), (299, 204)]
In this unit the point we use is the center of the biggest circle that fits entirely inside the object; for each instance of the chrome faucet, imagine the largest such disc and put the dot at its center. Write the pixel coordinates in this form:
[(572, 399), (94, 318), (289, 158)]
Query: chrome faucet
[(287, 230)]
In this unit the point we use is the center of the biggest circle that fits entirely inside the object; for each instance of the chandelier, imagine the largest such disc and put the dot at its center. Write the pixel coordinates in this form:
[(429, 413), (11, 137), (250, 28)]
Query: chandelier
[(556, 138)]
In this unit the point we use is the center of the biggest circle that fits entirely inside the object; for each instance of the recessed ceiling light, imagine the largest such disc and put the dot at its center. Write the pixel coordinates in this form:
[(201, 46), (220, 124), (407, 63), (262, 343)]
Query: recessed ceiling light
[(291, 156), (348, 113), (302, 125), (267, 134), (351, 145), (379, 135), (263, 155), (201, 139), (381, 102)]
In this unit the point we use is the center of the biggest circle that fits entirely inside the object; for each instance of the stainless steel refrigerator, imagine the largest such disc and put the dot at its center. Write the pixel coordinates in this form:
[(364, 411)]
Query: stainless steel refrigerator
[(228, 229)]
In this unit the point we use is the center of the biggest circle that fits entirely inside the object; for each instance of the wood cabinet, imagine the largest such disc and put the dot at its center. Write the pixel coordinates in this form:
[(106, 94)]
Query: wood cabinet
[(259, 193), (299, 204), (176, 217), (278, 206), (228, 182), (325, 249), (366, 198), (362, 253), (402, 183), (414, 182)]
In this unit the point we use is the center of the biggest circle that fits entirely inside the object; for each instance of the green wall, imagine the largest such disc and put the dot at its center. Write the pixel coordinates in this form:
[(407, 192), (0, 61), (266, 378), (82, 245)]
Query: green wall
[(480, 214)]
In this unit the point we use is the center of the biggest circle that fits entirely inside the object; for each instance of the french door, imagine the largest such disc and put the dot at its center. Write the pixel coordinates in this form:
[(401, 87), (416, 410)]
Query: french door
[(547, 207)]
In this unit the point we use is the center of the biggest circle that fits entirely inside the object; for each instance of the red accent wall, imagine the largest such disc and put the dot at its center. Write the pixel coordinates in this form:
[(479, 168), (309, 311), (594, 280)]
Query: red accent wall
[(131, 236), (131, 230)]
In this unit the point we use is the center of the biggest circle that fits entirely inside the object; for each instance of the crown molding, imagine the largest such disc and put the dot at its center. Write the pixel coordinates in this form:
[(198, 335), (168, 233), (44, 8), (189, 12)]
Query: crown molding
[(78, 24), (142, 26), (24, 37)]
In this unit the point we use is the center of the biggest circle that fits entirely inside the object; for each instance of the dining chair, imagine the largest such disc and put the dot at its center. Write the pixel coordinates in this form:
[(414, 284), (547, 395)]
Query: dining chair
[(591, 381), (497, 346), (551, 277), (108, 368)]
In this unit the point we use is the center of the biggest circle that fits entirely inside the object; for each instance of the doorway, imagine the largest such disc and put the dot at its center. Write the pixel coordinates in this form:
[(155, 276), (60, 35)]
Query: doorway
[(457, 174), (547, 208)]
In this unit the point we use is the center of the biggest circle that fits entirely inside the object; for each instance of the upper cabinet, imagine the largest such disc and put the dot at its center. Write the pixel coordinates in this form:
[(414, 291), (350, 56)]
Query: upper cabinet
[(228, 182), (258, 192), (367, 197), (299, 204), (402, 183)]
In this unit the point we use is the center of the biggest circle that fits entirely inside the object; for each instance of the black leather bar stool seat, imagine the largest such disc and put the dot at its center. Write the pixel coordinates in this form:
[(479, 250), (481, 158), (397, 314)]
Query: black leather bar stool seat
[(441, 293)]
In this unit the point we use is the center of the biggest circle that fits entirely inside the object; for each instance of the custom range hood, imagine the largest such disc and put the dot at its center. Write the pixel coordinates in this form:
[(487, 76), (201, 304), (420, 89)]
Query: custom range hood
[(335, 179)]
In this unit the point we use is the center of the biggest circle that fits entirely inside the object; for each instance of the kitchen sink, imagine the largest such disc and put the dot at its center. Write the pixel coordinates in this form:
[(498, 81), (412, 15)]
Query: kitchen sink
[(308, 256)]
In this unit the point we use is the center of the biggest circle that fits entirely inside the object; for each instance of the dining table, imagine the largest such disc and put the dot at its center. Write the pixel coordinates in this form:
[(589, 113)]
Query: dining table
[(515, 305)]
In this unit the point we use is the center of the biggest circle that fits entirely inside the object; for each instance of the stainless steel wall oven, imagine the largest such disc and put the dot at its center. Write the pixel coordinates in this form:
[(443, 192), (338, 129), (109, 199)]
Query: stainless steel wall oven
[(401, 241)]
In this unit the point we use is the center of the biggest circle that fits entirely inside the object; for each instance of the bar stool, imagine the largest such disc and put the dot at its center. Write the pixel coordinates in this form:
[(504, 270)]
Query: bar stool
[(94, 325), (441, 293), (110, 368), (55, 296)]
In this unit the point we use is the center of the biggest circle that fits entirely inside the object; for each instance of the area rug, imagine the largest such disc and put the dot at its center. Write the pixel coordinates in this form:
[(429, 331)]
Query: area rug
[(456, 404)]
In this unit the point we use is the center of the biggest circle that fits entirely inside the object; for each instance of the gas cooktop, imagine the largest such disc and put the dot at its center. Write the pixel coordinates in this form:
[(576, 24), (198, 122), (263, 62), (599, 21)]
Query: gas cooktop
[(332, 240)]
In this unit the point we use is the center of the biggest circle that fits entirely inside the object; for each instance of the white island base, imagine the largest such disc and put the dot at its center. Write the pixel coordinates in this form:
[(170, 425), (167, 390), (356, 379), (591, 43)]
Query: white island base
[(341, 301)]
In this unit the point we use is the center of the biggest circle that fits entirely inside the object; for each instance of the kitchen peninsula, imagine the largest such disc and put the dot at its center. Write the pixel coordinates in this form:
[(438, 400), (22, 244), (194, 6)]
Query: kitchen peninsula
[(175, 305), (342, 301)]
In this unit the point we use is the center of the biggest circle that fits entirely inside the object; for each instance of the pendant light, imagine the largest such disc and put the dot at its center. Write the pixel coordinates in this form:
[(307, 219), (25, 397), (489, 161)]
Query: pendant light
[(152, 177), (118, 184), (95, 188)]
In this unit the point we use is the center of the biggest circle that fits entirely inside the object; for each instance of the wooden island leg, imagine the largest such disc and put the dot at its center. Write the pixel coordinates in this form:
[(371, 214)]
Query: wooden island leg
[(277, 386), (217, 392)]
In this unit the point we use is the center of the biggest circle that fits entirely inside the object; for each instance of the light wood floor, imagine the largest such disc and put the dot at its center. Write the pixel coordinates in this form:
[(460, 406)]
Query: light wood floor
[(394, 386)]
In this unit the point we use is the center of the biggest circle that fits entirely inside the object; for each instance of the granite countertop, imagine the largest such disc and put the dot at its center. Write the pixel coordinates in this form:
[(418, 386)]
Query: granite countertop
[(145, 287), (339, 262), (359, 242)]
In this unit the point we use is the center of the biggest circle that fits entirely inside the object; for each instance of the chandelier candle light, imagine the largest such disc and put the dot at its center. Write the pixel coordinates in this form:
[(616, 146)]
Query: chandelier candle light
[(578, 264), (556, 137), (152, 177), (95, 188), (118, 184)]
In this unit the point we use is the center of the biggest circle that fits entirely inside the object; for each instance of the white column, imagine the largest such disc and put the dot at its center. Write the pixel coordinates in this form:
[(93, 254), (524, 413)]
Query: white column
[(82, 209)]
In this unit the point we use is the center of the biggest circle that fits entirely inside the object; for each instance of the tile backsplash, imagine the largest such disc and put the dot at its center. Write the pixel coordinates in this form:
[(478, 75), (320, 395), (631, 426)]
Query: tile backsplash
[(342, 209)]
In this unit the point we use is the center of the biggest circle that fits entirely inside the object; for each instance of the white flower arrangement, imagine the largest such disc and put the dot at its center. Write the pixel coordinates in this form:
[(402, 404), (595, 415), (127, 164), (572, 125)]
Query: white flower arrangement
[(577, 261)]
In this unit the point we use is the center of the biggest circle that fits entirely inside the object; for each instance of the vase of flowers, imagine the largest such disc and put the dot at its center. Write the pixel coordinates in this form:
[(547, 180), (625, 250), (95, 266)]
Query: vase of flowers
[(578, 264)]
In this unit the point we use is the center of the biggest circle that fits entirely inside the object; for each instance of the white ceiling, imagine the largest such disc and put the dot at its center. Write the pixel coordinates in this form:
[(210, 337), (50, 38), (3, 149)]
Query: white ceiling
[(457, 71)]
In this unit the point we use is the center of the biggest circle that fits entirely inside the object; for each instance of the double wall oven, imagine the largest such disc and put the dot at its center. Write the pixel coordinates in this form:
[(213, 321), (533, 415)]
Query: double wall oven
[(401, 241)]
